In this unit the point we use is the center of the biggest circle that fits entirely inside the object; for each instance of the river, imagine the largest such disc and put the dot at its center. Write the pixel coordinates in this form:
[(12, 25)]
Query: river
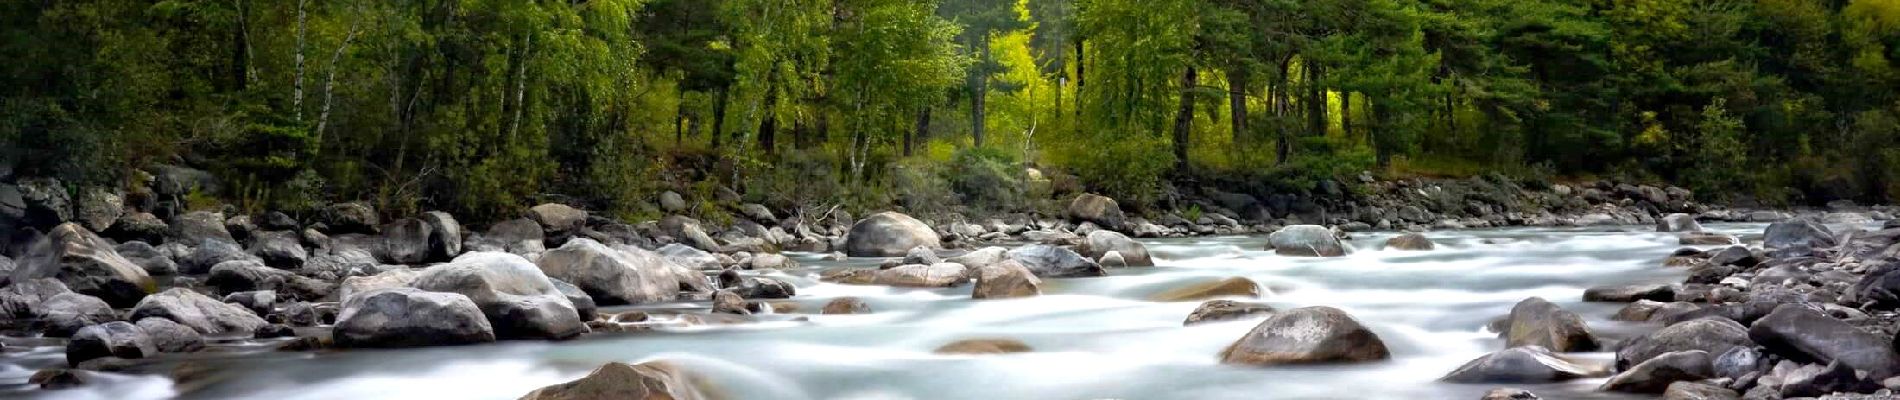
[(1093, 337)]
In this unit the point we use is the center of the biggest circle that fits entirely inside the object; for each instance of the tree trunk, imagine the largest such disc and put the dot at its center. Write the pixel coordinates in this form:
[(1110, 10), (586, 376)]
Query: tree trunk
[(768, 125), (979, 90), (296, 91), (920, 133), (1237, 103), (329, 83), (1379, 148), (1316, 102), (1184, 120), (719, 116), (1079, 63), (679, 119), (1282, 107), (1345, 114)]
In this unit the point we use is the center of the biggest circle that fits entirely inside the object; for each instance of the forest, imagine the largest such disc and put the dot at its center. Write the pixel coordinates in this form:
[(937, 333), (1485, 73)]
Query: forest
[(483, 107)]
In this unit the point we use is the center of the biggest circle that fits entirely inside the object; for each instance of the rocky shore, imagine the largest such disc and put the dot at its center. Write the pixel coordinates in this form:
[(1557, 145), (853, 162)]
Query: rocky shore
[(125, 282)]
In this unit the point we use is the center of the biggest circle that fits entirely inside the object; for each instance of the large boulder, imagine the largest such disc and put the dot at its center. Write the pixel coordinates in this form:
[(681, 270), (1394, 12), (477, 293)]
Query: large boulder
[(394, 278), (1409, 242), (210, 254), (650, 380), (1055, 262), (172, 337), (1802, 231), (689, 232), (445, 236), (1536, 322), (113, 339), (196, 227), (1098, 243), (139, 226), (1656, 374), (889, 234), (983, 346), (1305, 241), (1709, 335), (86, 263), (45, 201), (1004, 280), (1306, 335), (202, 313), (248, 275), (351, 218), (919, 275), (1797, 332), (407, 241), (1098, 209), (408, 317), (519, 300), (279, 249), (65, 313), (520, 236), (558, 221), (1528, 364), (612, 276), (98, 209), (1677, 222), (22, 299), (1225, 287)]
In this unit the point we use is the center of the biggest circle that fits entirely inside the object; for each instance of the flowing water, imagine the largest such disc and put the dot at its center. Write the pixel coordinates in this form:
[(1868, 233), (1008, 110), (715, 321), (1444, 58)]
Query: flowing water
[(1093, 337)]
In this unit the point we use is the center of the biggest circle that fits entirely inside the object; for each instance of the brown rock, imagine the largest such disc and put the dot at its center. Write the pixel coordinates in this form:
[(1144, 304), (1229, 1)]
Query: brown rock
[(1224, 310), (1226, 287), (846, 305), (984, 346), (655, 380), (1004, 280)]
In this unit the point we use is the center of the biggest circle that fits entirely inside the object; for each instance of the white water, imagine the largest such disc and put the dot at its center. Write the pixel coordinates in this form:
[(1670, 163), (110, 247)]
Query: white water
[(1094, 337)]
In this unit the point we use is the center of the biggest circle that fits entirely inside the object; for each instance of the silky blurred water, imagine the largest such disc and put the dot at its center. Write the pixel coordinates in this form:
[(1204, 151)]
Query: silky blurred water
[(1094, 337)]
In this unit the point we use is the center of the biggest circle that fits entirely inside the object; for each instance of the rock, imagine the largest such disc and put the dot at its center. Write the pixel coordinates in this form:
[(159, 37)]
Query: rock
[(921, 255), (1804, 231), (154, 261), (758, 213), (363, 284), (246, 275), (1678, 222), (66, 313), (914, 275), (770, 261), (1536, 322), (1656, 374), (1706, 239), (445, 236), (1305, 241), (520, 236), (654, 380), (691, 257), (1698, 391), (261, 302), (351, 218), (279, 249), (196, 227), (113, 339), (171, 337), (846, 305), (558, 221), (1734, 255), (1796, 332), (98, 209), (85, 263), (612, 276), (408, 317), (1738, 362), (983, 346), (1305, 336), (889, 234), (240, 227), (1508, 394), (139, 226), (1097, 209), (727, 302), (22, 299), (583, 303), (210, 254), (756, 287), (1225, 287), (980, 258), (1005, 280), (407, 241), (1836, 377), (1638, 311), (1527, 364), (1410, 242), (1709, 335), (308, 314), (273, 331), (202, 313), (672, 202), (1048, 261), (1225, 310), (519, 300), (278, 221), (1099, 243), (1630, 293)]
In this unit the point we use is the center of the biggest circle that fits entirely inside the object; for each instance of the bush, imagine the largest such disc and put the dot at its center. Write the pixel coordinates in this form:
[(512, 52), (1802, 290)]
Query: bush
[(986, 179)]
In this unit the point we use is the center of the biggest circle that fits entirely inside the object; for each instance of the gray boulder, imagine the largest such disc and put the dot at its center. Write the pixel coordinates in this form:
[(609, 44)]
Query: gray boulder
[(22, 299), (407, 241), (1409, 242), (1656, 374), (408, 317), (1536, 322), (611, 276), (387, 279), (1305, 241), (1055, 262), (171, 337), (918, 275), (1678, 222), (520, 236), (1226, 310), (210, 253), (139, 226), (98, 209), (65, 313), (113, 339), (445, 236), (889, 234), (558, 221), (1101, 210), (351, 218), (1528, 364), (262, 302), (154, 261), (1099, 243), (1699, 391), (1709, 335), (583, 303), (672, 202), (1802, 231), (280, 249), (648, 380), (1796, 332), (202, 313), (87, 264), (519, 300), (196, 227), (1307, 335)]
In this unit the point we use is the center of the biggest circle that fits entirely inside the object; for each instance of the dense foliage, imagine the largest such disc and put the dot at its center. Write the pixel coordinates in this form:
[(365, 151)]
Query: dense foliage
[(479, 106)]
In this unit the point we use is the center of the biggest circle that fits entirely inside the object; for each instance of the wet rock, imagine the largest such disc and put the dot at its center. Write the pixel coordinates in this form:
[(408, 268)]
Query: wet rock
[(309, 314), (691, 257), (249, 275), (445, 236), (1797, 332), (770, 261), (1225, 287), (1536, 322), (846, 305), (261, 302), (408, 317), (649, 380), (85, 263), (113, 339), (583, 303), (1656, 374), (1305, 336), (59, 378), (1804, 231), (1048, 261), (1508, 394), (756, 287), (1698, 391), (1709, 335), (934, 275), (1678, 222), (154, 261), (1734, 255), (387, 279), (612, 276), (210, 254), (519, 300), (1630, 293), (1836, 377), (889, 234), (1305, 241), (1097, 209), (273, 331), (690, 233), (984, 346), (22, 299), (1409, 241), (66, 313), (1099, 243), (1226, 310), (197, 227), (351, 218), (1004, 280), (171, 337), (1738, 362), (727, 302), (1527, 364), (202, 313)]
